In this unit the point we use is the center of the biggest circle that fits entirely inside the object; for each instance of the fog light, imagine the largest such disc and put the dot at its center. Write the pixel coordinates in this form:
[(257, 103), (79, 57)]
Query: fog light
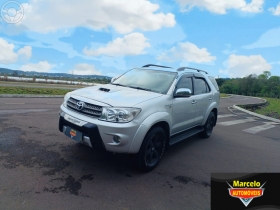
[(117, 139)]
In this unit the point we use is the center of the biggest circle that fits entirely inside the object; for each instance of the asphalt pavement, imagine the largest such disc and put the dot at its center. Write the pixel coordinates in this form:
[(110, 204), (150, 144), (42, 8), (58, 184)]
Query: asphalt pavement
[(43, 169)]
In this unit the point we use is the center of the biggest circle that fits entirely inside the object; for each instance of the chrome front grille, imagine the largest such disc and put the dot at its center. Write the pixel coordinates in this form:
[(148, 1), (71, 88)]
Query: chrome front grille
[(87, 109)]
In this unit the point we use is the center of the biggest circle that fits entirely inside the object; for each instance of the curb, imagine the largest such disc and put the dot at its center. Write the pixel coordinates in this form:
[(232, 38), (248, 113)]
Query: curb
[(29, 96), (253, 113), (230, 96), (256, 115), (250, 97)]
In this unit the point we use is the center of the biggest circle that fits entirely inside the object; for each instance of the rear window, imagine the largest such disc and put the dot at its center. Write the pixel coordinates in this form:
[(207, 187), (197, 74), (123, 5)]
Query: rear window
[(201, 86), (212, 79)]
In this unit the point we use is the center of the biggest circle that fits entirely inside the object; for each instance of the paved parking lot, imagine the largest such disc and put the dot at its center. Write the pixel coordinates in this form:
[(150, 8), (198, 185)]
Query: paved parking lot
[(43, 169)]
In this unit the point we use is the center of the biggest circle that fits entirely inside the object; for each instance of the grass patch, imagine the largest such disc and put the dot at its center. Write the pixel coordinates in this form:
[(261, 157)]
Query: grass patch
[(272, 109), (35, 91), (223, 95)]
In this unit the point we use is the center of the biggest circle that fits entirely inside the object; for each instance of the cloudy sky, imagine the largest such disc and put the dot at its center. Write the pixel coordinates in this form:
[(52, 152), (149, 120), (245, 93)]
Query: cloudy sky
[(228, 38)]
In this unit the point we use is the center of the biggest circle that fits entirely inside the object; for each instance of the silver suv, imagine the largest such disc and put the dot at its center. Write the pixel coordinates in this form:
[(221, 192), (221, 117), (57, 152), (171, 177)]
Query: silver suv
[(142, 111)]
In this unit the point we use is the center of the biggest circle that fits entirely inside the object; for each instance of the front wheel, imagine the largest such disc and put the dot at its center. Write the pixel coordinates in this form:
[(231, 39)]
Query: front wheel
[(209, 125), (152, 149)]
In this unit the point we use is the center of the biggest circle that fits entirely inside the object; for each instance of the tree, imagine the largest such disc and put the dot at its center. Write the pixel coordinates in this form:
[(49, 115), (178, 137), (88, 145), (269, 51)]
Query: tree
[(267, 74), (220, 81), (273, 85), (262, 76), (15, 74)]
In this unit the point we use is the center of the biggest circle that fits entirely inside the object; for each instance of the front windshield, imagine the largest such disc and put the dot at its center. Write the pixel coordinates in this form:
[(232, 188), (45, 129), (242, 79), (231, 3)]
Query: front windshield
[(152, 80)]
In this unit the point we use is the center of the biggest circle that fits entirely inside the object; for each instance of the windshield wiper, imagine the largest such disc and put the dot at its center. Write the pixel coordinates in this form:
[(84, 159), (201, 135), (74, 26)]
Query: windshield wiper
[(140, 88), (119, 84)]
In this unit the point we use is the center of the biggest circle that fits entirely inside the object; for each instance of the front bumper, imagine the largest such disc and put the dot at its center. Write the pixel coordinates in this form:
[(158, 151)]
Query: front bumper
[(100, 134), (91, 136)]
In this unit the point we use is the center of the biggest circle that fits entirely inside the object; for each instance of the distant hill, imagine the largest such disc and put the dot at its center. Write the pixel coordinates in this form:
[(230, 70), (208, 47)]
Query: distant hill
[(10, 72)]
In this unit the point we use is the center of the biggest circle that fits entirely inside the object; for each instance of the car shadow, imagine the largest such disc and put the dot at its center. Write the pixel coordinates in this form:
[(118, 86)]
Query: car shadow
[(93, 159)]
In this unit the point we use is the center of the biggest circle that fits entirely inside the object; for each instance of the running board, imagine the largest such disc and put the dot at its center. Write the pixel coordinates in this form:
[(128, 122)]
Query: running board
[(184, 135)]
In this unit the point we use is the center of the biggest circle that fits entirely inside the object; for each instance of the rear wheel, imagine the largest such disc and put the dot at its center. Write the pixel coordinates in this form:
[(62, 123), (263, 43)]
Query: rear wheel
[(152, 149), (209, 125)]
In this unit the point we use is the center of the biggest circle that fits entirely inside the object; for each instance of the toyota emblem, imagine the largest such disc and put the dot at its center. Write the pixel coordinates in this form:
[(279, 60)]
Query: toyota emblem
[(80, 105)]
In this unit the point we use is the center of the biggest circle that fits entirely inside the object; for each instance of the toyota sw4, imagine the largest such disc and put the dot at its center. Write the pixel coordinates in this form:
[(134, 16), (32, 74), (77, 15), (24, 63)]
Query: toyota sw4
[(142, 111)]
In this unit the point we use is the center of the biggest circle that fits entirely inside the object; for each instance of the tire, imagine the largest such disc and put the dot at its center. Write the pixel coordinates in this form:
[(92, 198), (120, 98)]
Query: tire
[(209, 125), (152, 149)]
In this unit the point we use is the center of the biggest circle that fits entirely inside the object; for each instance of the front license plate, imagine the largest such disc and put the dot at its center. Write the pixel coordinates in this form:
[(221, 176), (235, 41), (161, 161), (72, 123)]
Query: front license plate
[(73, 134)]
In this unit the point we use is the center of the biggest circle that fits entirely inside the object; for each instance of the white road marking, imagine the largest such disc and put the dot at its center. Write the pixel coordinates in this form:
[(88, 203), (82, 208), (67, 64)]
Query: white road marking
[(257, 129), (234, 122), (226, 115)]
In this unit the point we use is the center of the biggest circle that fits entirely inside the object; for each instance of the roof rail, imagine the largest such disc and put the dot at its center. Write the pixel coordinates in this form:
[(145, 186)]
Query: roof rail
[(148, 65), (183, 68)]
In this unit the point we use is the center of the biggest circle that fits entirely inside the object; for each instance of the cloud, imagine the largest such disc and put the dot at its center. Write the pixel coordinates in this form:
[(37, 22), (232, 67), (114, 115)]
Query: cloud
[(228, 50), (12, 29), (42, 66), (221, 6), (241, 66), (186, 51), (275, 11), (84, 69), (254, 7), (8, 54), (268, 39), (124, 16), (131, 44), (25, 52)]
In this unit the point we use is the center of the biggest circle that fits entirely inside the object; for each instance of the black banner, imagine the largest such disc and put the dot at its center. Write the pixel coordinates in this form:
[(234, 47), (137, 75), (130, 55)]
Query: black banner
[(240, 191)]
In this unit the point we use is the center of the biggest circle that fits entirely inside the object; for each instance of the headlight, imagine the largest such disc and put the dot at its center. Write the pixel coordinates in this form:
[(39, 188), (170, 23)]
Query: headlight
[(121, 115), (66, 97)]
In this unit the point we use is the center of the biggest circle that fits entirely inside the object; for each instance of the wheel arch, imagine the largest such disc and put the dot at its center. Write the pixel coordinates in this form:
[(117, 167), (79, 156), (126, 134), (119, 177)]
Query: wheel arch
[(212, 108), (166, 128), (215, 110), (162, 119)]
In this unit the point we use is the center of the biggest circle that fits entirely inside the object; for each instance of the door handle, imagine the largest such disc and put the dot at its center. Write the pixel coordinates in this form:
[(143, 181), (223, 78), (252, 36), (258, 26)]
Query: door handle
[(194, 101), (210, 98)]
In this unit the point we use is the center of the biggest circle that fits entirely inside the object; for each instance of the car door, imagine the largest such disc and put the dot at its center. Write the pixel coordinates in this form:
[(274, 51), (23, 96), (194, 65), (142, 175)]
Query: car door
[(203, 98), (183, 108)]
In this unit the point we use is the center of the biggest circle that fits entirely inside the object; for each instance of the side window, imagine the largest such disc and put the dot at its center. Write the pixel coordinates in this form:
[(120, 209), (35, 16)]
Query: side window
[(201, 86), (213, 80), (185, 82)]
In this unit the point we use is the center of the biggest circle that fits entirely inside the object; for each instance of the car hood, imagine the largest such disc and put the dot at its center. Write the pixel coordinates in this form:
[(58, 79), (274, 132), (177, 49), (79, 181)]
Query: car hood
[(115, 95)]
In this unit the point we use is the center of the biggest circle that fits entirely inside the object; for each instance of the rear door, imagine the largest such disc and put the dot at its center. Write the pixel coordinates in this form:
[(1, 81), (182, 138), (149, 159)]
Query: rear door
[(203, 95)]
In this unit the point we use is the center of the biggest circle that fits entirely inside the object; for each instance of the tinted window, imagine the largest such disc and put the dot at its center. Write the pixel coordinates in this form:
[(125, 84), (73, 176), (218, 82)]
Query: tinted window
[(212, 79), (201, 86), (185, 82)]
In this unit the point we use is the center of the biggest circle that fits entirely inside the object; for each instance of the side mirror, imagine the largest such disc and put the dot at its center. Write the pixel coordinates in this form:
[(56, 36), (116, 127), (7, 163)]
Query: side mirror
[(182, 93)]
